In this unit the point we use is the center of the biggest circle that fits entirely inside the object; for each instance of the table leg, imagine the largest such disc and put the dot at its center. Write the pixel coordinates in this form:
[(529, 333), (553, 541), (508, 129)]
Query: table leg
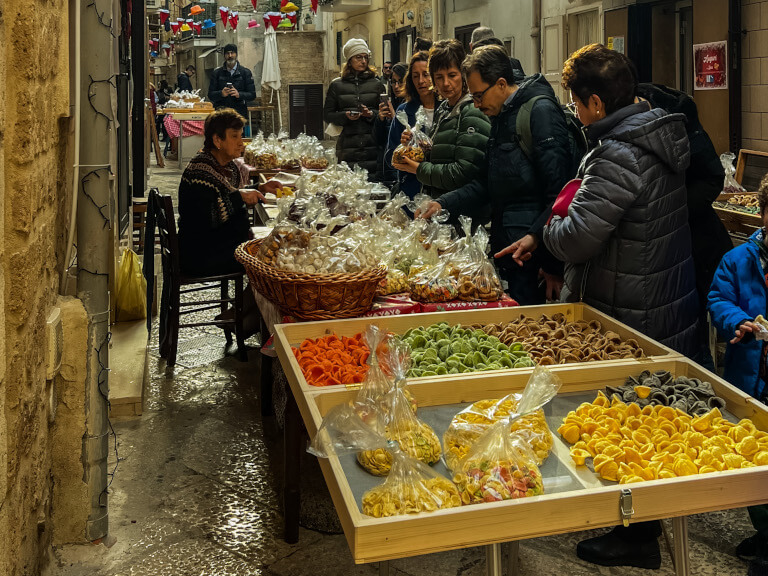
[(181, 139), (493, 560), (513, 558), (384, 568), (680, 543), (292, 469), (250, 123)]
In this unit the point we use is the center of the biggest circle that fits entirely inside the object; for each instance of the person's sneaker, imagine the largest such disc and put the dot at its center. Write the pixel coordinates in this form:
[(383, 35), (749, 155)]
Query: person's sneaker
[(613, 550), (747, 548)]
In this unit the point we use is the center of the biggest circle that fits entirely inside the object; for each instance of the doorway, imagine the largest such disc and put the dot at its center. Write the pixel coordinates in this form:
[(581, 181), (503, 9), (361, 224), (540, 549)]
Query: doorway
[(464, 34)]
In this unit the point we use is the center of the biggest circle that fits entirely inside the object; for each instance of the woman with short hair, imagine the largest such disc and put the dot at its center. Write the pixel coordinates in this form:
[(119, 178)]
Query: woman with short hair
[(213, 219), (460, 131), (352, 103), (624, 237)]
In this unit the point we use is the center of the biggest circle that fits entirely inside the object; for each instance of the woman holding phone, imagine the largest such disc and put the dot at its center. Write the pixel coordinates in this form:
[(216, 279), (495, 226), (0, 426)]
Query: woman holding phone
[(389, 102), (352, 103)]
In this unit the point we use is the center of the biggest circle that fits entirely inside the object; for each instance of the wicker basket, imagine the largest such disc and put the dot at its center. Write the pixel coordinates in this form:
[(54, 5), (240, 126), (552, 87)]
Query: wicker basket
[(311, 296), (735, 220)]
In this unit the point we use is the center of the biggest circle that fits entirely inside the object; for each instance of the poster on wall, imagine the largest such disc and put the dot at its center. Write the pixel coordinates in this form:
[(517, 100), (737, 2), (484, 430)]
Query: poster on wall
[(616, 43), (711, 66)]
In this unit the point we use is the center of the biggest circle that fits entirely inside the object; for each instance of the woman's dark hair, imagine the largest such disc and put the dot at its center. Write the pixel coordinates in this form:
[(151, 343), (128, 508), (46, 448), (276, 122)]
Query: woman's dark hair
[(594, 69), (218, 123), (400, 70), (422, 44), (445, 54), (411, 94), (491, 62)]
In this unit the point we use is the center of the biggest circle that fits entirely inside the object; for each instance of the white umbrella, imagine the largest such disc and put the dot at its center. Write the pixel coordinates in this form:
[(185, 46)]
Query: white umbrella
[(270, 75)]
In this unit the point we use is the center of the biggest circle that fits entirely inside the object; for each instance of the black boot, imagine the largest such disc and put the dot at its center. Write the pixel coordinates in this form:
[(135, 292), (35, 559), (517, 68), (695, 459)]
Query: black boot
[(758, 565), (636, 546)]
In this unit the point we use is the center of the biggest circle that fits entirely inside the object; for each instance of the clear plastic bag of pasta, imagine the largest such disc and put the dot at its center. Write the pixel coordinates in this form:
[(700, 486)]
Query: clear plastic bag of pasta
[(378, 381), (347, 429), (435, 284), (730, 184), (469, 424), (419, 145), (478, 278), (411, 487), (414, 436), (502, 464)]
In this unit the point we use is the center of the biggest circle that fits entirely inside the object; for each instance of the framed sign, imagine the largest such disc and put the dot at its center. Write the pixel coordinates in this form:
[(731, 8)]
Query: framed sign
[(710, 66)]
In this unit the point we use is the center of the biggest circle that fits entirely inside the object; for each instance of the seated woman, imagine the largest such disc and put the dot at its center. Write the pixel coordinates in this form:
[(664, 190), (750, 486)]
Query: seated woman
[(213, 219), (624, 238), (738, 295), (459, 133)]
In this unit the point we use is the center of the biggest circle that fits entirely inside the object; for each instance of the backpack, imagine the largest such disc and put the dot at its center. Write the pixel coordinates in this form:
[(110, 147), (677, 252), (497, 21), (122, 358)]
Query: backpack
[(579, 145)]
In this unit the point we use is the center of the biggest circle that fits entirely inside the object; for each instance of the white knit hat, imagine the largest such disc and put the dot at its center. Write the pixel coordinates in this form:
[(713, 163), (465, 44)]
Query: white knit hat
[(355, 46)]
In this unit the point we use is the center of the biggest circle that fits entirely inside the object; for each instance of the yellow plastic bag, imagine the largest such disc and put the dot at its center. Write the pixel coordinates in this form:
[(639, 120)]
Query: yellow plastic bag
[(131, 302)]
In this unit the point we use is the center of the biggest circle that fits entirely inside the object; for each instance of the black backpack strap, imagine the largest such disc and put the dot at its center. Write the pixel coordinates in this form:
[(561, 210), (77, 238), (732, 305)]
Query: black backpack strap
[(523, 125)]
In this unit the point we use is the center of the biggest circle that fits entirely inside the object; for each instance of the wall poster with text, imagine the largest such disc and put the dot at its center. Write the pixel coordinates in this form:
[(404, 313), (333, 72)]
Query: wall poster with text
[(710, 66)]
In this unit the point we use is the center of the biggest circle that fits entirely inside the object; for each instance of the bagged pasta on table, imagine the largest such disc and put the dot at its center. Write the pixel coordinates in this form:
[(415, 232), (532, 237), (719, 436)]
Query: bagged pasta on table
[(414, 436), (501, 465), (411, 487), (419, 146), (478, 278), (730, 185), (347, 429), (435, 284)]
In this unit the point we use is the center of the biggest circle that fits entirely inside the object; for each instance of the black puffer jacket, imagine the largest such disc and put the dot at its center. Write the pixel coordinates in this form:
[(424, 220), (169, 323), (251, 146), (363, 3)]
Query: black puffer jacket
[(520, 189), (356, 144), (703, 181), (242, 79), (625, 240)]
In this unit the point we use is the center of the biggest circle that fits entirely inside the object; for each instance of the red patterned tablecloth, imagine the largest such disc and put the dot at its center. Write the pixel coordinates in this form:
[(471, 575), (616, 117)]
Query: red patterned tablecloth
[(191, 127)]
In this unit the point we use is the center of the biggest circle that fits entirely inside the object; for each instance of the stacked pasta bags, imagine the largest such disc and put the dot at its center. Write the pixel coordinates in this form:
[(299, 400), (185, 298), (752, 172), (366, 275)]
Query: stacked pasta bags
[(501, 463), (382, 429)]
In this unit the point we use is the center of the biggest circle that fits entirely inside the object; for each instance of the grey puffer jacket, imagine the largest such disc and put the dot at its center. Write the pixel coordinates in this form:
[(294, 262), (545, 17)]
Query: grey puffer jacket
[(625, 240)]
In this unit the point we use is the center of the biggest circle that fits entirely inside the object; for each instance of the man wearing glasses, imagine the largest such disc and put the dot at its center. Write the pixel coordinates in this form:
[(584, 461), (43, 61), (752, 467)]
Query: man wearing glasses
[(386, 74), (519, 185)]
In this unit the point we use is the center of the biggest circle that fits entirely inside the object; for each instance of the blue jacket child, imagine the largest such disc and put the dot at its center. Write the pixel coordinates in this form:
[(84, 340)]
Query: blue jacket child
[(739, 294)]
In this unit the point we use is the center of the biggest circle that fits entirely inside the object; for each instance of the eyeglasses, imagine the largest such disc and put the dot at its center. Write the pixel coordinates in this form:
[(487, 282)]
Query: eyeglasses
[(360, 57), (478, 96), (396, 82), (571, 106)]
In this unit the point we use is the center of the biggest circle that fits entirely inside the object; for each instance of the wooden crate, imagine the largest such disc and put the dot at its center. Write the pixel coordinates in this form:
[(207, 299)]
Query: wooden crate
[(751, 167), (294, 334), (591, 503), (736, 221)]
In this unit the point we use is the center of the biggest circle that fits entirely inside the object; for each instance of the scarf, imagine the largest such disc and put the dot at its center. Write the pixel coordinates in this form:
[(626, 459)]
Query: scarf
[(204, 173)]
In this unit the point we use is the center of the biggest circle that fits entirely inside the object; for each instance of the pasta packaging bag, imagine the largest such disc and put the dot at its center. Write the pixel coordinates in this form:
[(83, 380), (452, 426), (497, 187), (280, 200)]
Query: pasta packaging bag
[(478, 278), (410, 488), (377, 382), (419, 145), (501, 464), (347, 429), (436, 283), (415, 437), (730, 184)]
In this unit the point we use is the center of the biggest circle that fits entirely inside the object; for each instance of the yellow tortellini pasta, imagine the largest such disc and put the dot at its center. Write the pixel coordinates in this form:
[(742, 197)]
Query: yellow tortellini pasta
[(424, 495), (628, 444)]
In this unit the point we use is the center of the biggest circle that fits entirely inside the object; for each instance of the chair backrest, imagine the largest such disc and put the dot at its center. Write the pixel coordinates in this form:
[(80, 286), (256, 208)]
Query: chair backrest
[(166, 226)]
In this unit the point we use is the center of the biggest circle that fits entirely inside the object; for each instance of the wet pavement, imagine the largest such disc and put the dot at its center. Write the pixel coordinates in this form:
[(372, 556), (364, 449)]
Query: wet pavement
[(197, 489)]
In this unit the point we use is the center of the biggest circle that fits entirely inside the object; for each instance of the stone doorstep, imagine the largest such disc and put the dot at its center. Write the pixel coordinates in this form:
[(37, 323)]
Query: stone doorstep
[(128, 362)]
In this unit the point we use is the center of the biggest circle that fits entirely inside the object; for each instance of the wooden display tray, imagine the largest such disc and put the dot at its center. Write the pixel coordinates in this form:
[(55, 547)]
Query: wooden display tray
[(593, 503), (751, 167), (735, 220), (295, 334)]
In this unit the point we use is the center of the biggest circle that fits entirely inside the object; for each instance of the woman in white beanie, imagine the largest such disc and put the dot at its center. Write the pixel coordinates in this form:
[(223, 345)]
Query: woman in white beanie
[(352, 102)]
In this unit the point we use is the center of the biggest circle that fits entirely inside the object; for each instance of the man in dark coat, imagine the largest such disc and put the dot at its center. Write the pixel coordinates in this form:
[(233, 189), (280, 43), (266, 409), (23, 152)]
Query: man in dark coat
[(519, 188), (232, 84), (184, 79), (704, 182)]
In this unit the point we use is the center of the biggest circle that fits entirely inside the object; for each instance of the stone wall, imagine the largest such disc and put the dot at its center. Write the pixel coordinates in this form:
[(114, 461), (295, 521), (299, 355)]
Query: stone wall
[(301, 62), (35, 175), (754, 101)]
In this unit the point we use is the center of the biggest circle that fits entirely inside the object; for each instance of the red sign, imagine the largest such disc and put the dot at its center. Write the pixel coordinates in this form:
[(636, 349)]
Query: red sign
[(710, 66)]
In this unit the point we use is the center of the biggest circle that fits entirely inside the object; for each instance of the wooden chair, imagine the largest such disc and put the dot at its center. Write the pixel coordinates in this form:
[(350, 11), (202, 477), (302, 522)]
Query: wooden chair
[(176, 285)]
